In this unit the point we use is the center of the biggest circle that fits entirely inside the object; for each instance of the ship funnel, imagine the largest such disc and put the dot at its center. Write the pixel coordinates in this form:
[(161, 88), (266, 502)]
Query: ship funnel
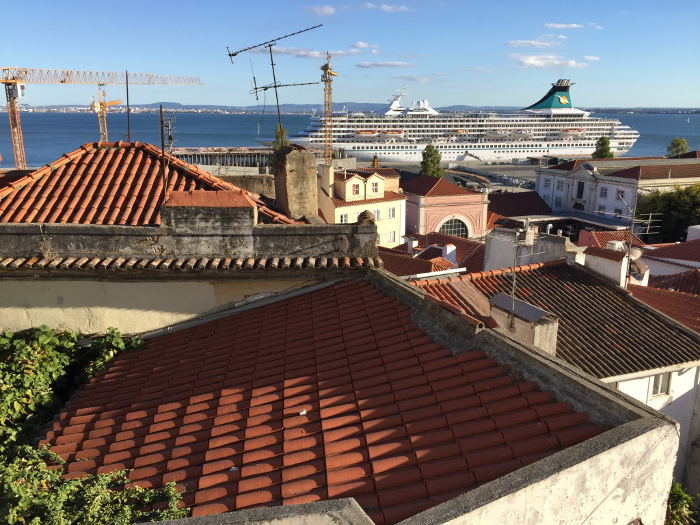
[(557, 96)]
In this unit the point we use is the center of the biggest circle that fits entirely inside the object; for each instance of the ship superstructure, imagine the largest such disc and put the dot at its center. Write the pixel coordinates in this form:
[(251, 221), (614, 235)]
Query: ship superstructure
[(550, 126)]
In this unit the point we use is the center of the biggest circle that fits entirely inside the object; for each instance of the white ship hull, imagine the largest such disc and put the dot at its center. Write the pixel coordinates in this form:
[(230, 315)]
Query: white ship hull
[(550, 127)]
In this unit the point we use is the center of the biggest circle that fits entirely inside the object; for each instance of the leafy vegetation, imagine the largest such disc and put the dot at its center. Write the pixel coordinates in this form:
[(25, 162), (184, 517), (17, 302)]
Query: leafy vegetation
[(679, 209), (430, 165), (681, 507), (677, 146), (39, 370), (602, 149), (281, 139)]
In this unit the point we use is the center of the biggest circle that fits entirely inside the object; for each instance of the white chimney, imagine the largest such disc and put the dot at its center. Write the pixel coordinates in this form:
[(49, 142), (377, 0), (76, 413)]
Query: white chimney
[(327, 178), (449, 252)]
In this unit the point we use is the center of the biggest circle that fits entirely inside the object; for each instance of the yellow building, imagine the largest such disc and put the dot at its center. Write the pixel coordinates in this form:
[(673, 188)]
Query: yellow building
[(344, 194)]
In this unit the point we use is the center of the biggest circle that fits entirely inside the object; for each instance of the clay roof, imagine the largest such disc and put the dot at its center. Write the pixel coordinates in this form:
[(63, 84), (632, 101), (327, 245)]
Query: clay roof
[(492, 219), (658, 171), (574, 164), (470, 254), (331, 393), (683, 307), (428, 186), (517, 204), (684, 251), (600, 238), (210, 199), (612, 255), (388, 196), (688, 282), (108, 183), (690, 155), (384, 172), (198, 265), (430, 253), (401, 263), (602, 330)]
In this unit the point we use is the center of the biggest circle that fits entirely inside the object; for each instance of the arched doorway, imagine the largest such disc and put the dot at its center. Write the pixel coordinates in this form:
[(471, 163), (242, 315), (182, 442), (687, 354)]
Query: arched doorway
[(455, 227)]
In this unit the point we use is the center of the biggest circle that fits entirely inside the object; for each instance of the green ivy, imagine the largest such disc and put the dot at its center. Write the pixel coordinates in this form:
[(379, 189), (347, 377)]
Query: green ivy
[(681, 507), (39, 370)]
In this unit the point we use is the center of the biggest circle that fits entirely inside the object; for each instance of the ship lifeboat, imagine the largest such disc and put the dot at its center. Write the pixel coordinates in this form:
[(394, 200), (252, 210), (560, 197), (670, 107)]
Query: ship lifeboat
[(393, 133), (460, 131), (367, 133), (521, 134), (567, 133), (497, 134)]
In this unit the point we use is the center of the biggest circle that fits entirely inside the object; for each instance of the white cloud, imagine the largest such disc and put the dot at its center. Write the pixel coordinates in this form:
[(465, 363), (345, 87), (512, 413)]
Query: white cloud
[(594, 26), (591, 58), (321, 10), (364, 45), (414, 78), (375, 51), (541, 61), (479, 69), (387, 8), (562, 37), (553, 25), (384, 64), (301, 52), (540, 42)]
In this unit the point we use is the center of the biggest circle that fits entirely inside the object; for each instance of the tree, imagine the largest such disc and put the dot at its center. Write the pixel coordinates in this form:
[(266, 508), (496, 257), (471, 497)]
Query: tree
[(281, 139), (678, 146), (678, 209), (602, 149), (430, 165)]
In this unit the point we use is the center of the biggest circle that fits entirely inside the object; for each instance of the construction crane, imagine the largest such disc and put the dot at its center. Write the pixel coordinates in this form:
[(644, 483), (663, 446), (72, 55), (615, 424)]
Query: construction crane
[(99, 106), (15, 78), (327, 79)]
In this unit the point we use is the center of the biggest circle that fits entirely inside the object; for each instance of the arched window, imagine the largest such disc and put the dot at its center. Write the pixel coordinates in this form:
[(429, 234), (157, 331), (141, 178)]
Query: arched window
[(455, 227)]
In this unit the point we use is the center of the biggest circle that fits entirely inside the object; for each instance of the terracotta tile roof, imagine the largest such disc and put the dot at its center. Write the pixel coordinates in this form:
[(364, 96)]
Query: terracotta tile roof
[(428, 186), (658, 171), (683, 307), (492, 219), (388, 196), (384, 172), (108, 183), (332, 393), (181, 264), (690, 155), (574, 164), (602, 330), (430, 253), (210, 199), (684, 251), (470, 254), (600, 238), (401, 263), (611, 255), (687, 282), (517, 204)]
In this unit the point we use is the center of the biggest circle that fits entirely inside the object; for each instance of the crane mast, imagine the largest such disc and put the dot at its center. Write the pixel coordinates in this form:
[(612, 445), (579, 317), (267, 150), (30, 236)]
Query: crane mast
[(327, 79), (14, 79)]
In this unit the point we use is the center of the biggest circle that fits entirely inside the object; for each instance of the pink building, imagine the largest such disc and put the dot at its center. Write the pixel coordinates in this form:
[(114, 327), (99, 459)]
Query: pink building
[(436, 205)]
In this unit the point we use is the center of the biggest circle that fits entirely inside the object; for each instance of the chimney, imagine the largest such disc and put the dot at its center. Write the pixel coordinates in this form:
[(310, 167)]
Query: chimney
[(375, 162), (327, 178), (296, 189), (449, 252), (412, 245), (525, 323)]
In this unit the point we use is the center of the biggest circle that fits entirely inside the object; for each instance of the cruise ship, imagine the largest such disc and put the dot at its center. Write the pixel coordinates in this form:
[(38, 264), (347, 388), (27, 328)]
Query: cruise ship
[(549, 127)]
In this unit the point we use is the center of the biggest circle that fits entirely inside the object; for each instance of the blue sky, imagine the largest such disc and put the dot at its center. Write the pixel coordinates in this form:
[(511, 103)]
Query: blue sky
[(619, 53)]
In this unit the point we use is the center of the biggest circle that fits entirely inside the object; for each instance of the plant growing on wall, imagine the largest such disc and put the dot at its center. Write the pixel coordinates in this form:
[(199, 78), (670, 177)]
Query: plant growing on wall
[(681, 507)]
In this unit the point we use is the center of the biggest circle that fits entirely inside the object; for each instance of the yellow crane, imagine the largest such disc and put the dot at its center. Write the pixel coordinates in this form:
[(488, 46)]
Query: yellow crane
[(99, 106), (327, 79), (15, 78)]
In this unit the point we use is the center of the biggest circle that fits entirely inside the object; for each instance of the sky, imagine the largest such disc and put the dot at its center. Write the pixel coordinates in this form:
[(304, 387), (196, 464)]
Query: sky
[(619, 53)]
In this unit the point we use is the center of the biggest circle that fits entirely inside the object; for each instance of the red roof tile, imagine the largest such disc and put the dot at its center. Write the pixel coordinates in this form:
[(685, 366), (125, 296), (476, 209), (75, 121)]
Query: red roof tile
[(611, 255), (601, 329), (332, 393), (109, 183), (492, 219), (210, 199), (518, 204), (687, 282), (428, 186), (600, 238), (470, 254), (402, 264), (658, 171), (384, 172), (684, 251), (574, 164), (388, 196), (683, 307), (690, 155)]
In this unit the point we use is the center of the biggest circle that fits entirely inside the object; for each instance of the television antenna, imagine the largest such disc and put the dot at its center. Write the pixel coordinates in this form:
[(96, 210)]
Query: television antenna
[(269, 44)]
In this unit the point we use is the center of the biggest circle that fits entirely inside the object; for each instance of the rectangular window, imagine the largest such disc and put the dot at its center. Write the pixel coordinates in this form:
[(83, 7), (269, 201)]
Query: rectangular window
[(579, 189), (603, 192), (560, 185), (392, 236), (547, 183), (557, 202), (375, 187), (355, 189), (377, 214), (620, 195), (662, 384), (392, 213), (343, 218)]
